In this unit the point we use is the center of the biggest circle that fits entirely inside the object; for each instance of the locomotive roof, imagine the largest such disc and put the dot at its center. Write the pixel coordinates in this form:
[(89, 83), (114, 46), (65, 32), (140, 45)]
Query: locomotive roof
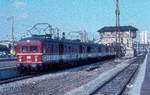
[(43, 39)]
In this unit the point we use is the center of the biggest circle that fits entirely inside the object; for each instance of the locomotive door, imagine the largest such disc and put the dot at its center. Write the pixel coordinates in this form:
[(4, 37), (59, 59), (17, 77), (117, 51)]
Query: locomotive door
[(61, 49)]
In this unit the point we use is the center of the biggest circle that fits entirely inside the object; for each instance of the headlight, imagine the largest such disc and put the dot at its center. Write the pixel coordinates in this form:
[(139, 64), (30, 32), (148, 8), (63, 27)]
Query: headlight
[(28, 57), (20, 60), (35, 58)]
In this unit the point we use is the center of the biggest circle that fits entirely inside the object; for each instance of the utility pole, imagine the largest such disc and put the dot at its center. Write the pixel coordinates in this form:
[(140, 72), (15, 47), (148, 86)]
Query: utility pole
[(13, 38), (118, 26), (12, 35), (117, 21)]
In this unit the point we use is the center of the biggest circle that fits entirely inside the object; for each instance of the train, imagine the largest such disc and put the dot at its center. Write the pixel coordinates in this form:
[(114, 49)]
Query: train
[(40, 51)]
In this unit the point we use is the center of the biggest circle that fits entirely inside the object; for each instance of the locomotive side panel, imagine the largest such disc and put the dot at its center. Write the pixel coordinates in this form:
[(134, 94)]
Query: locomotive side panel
[(50, 52)]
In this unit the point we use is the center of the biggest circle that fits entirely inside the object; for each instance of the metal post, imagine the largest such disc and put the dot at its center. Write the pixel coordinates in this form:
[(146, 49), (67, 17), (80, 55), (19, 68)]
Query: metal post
[(13, 38), (12, 35), (118, 24), (117, 20)]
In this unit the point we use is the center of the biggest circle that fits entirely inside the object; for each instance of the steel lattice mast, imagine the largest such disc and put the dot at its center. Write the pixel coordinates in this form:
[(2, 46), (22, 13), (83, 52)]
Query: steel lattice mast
[(118, 27), (117, 21)]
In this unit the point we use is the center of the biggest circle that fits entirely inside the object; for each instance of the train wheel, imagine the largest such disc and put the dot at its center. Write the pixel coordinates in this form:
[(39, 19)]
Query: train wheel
[(41, 68), (38, 68), (20, 69)]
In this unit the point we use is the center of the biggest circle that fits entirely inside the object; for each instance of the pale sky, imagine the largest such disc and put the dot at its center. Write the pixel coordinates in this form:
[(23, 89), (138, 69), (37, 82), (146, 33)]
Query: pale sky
[(72, 15)]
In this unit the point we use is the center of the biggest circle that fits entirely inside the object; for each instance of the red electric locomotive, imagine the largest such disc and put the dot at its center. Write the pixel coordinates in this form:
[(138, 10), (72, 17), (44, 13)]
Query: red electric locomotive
[(39, 51)]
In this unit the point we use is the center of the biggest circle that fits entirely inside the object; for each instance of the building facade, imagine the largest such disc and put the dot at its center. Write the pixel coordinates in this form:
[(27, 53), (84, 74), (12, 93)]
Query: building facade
[(109, 35), (126, 36)]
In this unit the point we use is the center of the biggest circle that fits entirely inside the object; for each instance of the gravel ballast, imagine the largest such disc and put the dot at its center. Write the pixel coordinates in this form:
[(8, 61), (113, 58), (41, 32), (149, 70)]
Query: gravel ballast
[(57, 83), (89, 88)]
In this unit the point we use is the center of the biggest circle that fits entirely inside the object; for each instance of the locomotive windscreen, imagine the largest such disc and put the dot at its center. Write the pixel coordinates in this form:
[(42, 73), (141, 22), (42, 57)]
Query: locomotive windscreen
[(24, 49), (28, 49), (34, 49)]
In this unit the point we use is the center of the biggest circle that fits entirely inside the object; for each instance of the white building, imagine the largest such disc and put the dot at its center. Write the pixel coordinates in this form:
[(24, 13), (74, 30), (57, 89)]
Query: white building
[(127, 35), (143, 37), (109, 35)]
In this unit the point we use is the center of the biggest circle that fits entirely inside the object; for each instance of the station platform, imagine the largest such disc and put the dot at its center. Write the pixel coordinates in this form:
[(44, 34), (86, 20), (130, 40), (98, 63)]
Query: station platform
[(145, 88)]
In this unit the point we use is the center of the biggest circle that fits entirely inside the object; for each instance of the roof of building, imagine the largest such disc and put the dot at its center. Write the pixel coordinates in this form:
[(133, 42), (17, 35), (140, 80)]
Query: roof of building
[(114, 28)]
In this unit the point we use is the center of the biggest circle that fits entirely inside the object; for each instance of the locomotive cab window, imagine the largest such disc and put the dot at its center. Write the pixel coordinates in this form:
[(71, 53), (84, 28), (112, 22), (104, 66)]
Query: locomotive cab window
[(34, 49), (24, 49)]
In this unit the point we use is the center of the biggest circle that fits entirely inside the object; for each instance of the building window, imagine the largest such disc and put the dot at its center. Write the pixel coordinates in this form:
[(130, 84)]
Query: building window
[(121, 40), (127, 42)]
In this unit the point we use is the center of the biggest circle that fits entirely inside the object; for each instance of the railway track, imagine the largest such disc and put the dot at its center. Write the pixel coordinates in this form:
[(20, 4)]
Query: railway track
[(57, 83), (65, 83), (18, 76), (117, 84)]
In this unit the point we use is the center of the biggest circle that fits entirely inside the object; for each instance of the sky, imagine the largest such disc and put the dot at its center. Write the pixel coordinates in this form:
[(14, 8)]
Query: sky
[(71, 15)]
